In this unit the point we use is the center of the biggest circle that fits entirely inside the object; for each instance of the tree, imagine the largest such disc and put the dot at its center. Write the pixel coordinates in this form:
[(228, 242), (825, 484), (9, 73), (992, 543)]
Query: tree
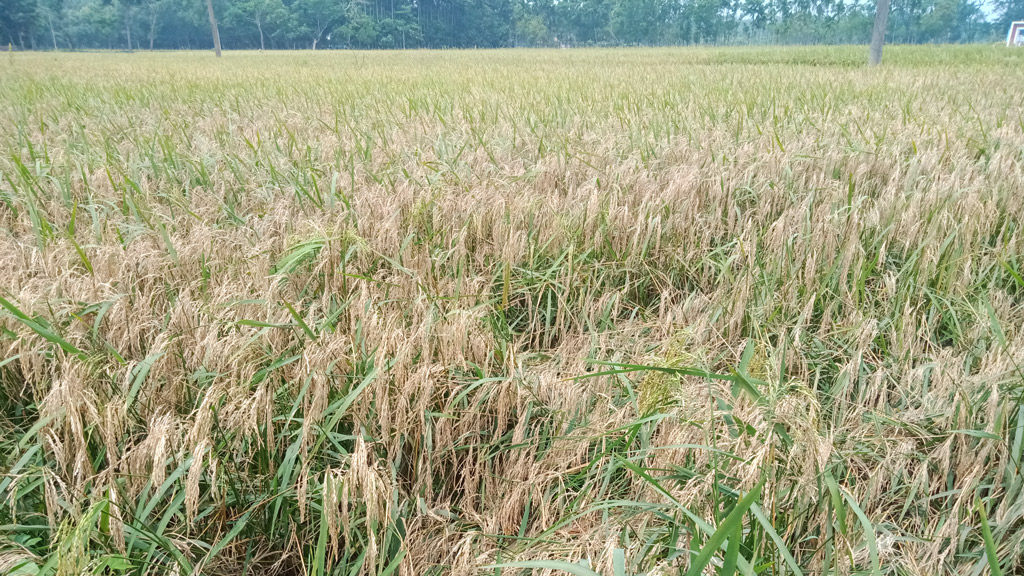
[(529, 28), (317, 17), (578, 21), (637, 21), (156, 10), (90, 23), (703, 21), (1008, 11), (970, 24), (213, 28), (878, 32), (482, 23), (18, 21), (269, 24), (938, 23), (127, 10), (263, 14), (359, 30), (400, 30), (52, 10), (757, 12)]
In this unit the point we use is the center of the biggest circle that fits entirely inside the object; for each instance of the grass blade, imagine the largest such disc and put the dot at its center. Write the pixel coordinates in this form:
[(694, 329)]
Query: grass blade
[(40, 329), (869, 533), (732, 523), (990, 546)]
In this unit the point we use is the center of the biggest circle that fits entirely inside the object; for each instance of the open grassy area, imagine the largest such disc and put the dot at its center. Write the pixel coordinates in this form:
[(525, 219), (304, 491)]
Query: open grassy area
[(643, 311)]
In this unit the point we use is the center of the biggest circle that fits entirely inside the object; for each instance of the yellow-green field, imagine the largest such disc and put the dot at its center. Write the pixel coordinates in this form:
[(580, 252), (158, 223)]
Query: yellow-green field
[(476, 313)]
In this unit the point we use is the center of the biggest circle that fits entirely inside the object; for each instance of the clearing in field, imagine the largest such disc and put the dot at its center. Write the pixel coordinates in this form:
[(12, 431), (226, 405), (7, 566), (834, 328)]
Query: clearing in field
[(615, 311)]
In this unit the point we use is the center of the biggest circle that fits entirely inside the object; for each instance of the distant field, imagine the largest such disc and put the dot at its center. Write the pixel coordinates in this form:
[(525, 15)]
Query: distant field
[(658, 311)]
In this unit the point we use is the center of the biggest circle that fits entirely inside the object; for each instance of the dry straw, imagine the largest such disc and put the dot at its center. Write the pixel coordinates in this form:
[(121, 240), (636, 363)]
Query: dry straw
[(649, 311)]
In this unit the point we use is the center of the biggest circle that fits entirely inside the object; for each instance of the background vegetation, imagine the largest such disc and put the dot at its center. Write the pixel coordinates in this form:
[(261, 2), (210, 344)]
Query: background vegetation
[(638, 311), (176, 24)]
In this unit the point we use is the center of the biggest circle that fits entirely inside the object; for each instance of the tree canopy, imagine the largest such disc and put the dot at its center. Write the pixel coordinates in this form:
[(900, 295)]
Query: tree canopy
[(289, 24)]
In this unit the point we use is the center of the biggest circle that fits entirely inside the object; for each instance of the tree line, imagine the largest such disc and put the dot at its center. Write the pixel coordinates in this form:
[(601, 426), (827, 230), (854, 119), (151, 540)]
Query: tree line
[(294, 24)]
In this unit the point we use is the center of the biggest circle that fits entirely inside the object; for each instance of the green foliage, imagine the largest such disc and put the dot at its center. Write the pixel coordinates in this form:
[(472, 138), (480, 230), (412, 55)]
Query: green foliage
[(390, 24), (638, 21)]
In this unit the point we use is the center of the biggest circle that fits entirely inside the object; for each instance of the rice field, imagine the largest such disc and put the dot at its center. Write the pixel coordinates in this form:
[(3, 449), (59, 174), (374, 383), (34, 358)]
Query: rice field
[(616, 312)]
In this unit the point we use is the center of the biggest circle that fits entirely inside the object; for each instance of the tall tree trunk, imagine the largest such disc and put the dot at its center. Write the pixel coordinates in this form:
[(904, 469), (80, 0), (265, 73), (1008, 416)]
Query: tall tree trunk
[(878, 33), (128, 27), (49, 18), (213, 28), (152, 30), (260, 26)]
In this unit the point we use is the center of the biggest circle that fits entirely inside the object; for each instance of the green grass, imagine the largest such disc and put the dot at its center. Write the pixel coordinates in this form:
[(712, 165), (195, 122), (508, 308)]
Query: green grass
[(659, 311)]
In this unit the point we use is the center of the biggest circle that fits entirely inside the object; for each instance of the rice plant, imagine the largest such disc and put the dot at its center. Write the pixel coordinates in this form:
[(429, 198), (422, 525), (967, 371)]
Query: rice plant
[(618, 312)]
